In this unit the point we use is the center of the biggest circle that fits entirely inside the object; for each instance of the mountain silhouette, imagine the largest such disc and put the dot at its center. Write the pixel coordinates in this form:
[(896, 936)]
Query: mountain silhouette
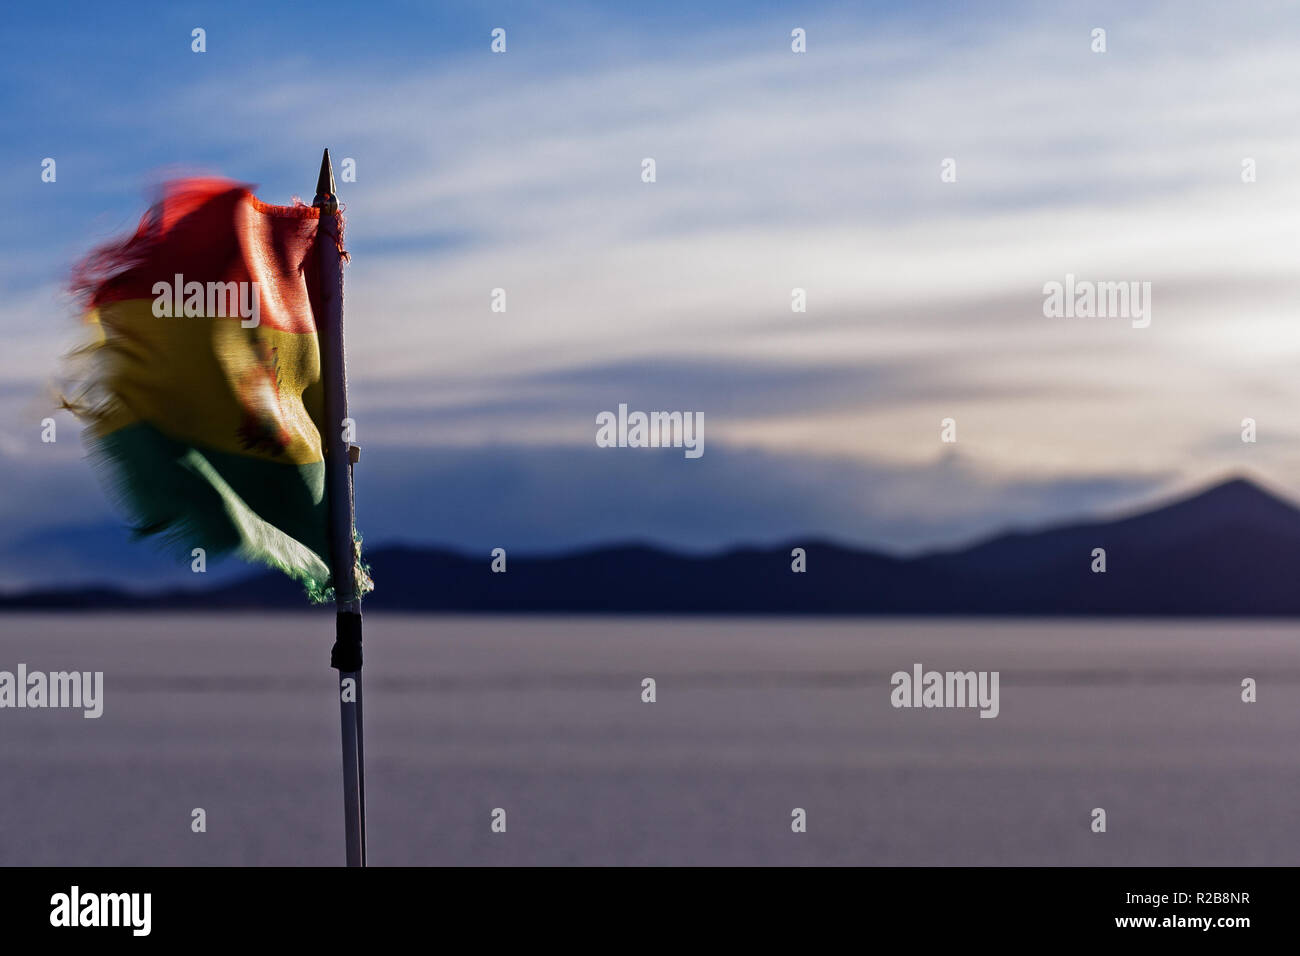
[(1232, 549)]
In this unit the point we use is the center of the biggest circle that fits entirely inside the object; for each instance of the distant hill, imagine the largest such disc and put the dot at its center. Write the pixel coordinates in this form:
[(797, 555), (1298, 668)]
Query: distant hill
[(1233, 549)]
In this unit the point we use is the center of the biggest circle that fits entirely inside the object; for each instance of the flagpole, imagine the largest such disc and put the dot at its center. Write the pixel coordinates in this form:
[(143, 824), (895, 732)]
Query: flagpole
[(346, 654)]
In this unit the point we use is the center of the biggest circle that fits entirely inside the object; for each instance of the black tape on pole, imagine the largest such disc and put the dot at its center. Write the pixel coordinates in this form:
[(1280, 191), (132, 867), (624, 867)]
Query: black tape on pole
[(346, 655)]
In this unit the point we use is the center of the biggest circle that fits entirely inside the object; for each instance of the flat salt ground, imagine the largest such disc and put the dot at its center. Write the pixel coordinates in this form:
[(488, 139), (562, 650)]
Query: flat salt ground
[(542, 716)]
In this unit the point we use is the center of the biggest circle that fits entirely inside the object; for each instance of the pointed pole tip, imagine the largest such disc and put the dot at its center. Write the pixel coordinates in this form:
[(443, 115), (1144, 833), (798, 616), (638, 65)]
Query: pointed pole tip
[(326, 199)]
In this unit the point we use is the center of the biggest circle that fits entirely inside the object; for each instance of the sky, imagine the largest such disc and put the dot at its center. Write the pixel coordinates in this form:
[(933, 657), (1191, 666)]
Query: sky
[(774, 171)]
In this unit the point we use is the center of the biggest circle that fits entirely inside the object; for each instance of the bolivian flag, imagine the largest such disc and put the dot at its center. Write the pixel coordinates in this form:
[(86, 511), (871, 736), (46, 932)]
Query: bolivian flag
[(202, 385)]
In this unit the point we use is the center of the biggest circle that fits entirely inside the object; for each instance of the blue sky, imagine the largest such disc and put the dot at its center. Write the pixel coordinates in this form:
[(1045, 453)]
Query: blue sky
[(820, 171)]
